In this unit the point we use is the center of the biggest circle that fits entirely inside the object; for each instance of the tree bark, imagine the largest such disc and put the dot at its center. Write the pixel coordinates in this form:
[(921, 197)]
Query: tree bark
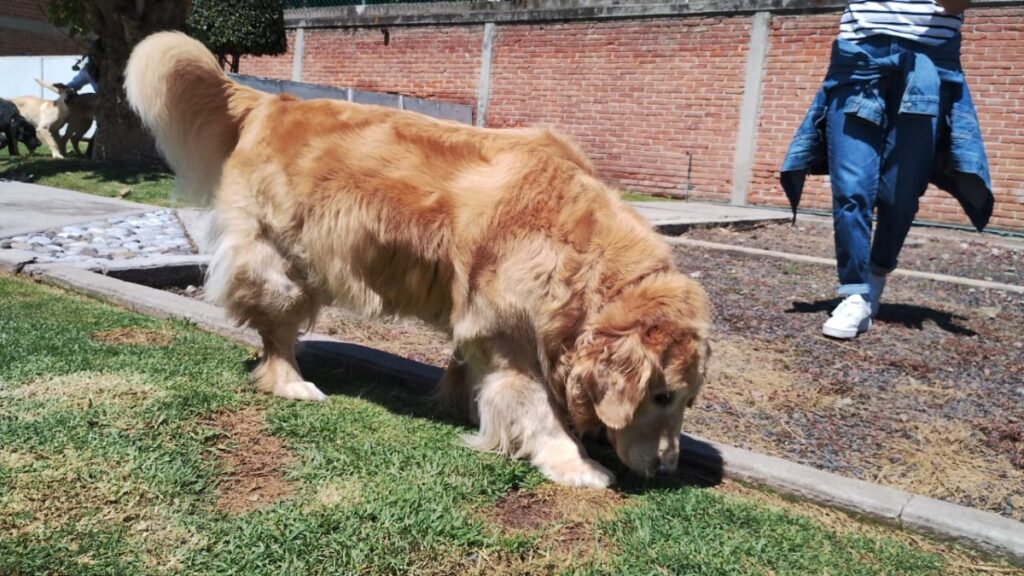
[(120, 25)]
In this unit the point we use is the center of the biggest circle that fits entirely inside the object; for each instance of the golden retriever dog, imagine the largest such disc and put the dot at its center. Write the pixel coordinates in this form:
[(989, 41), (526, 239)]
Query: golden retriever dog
[(567, 313), (48, 116)]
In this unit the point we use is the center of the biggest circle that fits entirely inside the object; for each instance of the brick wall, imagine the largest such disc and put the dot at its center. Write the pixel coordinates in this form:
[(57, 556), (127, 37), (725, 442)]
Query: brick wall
[(640, 95), (22, 9), (276, 67), (442, 63), (21, 42)]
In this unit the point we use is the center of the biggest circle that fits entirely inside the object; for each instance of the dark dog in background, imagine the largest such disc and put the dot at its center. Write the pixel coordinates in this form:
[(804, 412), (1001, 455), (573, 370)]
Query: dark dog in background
[(14, 128)]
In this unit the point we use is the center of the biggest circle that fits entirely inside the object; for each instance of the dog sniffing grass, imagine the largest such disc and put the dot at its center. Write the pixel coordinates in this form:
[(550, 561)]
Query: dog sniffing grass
[(113, 458)]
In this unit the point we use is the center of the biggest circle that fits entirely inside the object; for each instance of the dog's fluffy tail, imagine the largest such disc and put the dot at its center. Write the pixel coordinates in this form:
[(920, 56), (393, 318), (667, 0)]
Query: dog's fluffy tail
[(190, 105)]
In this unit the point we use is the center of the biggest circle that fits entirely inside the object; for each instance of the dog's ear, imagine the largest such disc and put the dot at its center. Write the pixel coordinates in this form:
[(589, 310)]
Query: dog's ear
[(611, 371)]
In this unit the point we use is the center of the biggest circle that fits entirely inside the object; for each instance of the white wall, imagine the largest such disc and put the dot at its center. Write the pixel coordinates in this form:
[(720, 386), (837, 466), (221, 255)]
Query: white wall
[(18, 74)]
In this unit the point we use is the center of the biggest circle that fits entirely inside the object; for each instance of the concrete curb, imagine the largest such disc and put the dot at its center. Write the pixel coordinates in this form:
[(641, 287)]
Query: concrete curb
[(828, 261), (974, 528)]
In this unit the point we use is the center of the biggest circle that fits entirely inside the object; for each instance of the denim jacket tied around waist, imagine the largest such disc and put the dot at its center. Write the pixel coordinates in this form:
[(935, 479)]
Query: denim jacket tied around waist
[(960, 167)]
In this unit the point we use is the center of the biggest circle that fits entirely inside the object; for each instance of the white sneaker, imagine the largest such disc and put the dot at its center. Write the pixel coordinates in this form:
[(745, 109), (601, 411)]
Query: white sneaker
[(877, 285), (851, 317)]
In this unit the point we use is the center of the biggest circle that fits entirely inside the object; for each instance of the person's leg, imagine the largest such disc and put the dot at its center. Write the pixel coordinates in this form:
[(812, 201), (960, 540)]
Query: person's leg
[(907, 163), (854, 147), (80, 80)]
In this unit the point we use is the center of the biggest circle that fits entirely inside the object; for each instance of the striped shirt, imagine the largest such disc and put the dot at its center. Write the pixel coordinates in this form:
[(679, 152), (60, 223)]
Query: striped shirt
[(920, 20)]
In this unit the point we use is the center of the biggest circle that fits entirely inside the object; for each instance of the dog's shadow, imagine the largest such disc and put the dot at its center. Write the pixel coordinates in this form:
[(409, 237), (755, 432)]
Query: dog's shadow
[(405, 387), (904, 314)]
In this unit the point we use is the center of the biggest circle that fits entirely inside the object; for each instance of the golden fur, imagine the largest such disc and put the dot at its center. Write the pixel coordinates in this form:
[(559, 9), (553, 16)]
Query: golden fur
[(566, 310), (48, 116)]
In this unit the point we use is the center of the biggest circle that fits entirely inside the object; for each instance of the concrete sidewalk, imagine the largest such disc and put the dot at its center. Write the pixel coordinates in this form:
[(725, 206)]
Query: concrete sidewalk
[(674, 217), (28, 208)]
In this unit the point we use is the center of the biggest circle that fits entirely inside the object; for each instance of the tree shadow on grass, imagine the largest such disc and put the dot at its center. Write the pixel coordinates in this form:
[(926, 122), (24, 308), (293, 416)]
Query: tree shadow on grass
[(405, 387), (34, 168), (904, 314)]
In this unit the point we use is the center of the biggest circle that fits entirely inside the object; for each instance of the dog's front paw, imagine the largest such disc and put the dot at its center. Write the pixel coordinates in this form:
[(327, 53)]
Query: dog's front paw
[(299, 390), (584, 473)]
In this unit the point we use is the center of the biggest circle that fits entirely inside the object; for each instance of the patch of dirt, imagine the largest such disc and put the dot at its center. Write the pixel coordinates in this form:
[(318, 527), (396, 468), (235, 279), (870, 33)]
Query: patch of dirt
[(565, 516), (253, 462), (968, 254), (130, 336), (560, 522)]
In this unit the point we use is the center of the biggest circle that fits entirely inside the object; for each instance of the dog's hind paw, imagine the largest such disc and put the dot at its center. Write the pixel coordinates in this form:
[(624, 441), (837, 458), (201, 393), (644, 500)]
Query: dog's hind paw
[(300, 391), (579, 473)]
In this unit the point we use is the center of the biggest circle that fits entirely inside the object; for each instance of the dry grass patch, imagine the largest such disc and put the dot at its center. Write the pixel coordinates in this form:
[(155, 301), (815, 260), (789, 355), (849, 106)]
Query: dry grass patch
[(756, 386), (84, 389), (404, 337), (344, 492), (959, 561), (253, 462), (131, 336), (78, 490), (948, 460)]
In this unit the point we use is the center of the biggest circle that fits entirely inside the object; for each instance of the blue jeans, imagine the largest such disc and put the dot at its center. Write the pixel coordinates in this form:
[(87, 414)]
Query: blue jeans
[(884, 166)]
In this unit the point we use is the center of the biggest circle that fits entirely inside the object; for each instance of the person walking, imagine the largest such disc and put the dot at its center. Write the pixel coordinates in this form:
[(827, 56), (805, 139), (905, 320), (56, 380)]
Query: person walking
[(893, 114)]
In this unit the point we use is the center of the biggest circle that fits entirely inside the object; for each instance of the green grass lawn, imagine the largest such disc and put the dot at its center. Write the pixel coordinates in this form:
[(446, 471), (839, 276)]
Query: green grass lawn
[(145, 185), (130, 445)]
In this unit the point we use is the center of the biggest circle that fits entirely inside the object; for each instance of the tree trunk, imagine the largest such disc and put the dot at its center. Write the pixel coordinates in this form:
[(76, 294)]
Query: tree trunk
[(120, 25), (234, 63)]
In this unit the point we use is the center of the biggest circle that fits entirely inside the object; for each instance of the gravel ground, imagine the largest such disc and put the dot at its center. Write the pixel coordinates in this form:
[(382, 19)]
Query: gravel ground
[(968, 254), (150, 234), (930, 400)]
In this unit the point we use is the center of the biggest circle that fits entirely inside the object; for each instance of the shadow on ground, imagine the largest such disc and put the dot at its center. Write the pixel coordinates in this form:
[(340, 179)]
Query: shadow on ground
[(34, 168), (907, 315), (405, 387)]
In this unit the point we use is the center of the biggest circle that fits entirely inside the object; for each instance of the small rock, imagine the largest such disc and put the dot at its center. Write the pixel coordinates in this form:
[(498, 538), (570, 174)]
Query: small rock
[(21, 246), (4, 244), (89, 252), (843, 402), (40, 240)]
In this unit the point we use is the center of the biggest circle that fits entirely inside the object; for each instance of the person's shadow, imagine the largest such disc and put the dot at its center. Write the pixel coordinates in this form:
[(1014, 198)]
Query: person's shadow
[(406, 387), (905, 314)]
